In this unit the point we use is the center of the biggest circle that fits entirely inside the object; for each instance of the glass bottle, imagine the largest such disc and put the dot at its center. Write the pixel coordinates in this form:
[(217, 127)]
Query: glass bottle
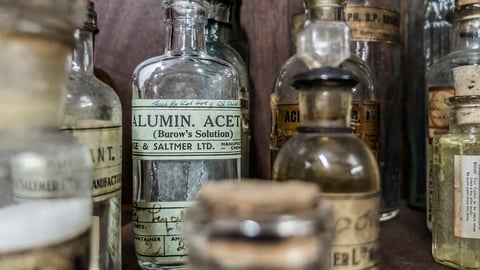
[(326, 152), (375, 38), (234, 225), (217, 34), (186, 130), (428, 39), (439, 82), (456, 159), (93, 114), (324, 19), (238, 36), (45, 192)]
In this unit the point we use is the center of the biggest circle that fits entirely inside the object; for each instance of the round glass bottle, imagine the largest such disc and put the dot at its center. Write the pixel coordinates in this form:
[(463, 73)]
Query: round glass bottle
[(44, 174), (326, 152), (233, 225), (93, 115), (456, 160)]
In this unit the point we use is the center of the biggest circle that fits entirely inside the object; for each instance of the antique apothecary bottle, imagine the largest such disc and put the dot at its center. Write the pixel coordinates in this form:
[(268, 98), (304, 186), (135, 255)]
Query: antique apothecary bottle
[(217, 37), (324, 24), (375, 38), (427, 39), (235, 225), (325, 151), (45, 187), (439, 83), (93, 114), (186, 130)]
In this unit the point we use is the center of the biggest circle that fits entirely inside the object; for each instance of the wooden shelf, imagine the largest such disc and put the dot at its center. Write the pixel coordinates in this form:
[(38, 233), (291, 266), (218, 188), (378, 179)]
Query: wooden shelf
[(405, 243)]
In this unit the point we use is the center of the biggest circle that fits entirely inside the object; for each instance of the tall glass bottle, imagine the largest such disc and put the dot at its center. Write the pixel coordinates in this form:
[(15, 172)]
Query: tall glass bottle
[(45, 193), (324, 19), (217, 35), (93, 114), (439, 83), (456, 159), (238, 36), (186, 130), (375, 29), (427, 39), (326, 152)]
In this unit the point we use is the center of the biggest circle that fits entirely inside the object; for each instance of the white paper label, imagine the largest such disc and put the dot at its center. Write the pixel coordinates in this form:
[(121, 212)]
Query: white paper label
[(357, 228), (185, 129), (157, 230), (467, 197)]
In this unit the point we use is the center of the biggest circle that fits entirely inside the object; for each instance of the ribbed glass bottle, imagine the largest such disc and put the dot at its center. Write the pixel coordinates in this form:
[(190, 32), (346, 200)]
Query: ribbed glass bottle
[(45, 187), (324, 20), (186, 130), (326, 152), (375, 38), (427, 39), (217, 34), (93, 114)]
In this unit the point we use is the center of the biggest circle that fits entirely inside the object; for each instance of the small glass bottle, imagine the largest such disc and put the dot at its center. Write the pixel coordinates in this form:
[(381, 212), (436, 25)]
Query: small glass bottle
[(326, 152), (186, 130), (235, 226), (439, 83), (324, 20), (456, 189), (217, 37), (375, 38), (428, 39), (45, 193), (93, 114)]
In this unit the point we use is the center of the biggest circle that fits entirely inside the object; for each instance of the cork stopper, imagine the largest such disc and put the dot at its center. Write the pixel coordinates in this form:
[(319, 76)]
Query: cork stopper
[(466, 2), (258, 198), (466, 80)]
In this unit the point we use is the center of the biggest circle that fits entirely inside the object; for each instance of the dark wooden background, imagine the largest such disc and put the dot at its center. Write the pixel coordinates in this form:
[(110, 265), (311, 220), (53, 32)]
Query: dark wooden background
[(133, 30)]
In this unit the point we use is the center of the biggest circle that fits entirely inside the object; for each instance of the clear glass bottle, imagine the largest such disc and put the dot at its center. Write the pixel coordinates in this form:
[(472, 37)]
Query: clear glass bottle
[(44, 174), (324, 19), (456, 159), (326, 152), (217, 34), (439, 82), (427, 39), (93, 114), (186, 130), (375, 38), (234, 225)]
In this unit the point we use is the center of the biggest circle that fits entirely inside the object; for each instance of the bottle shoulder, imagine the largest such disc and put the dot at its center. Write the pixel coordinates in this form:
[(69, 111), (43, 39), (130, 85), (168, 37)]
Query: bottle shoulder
[(440, 73), (282, 90), (332, 160), (229, 54), (185, 76)]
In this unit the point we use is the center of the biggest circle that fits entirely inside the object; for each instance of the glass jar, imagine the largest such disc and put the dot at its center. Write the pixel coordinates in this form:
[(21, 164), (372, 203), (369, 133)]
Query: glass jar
[(456, 159), (45, 175), (233, 225)]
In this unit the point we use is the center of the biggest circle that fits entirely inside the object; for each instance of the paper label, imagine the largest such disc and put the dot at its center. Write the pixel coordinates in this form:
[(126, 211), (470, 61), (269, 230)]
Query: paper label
[(438, 110), (467, 197), (286, 119), (157, 230), (373, 24), (365, 122), (357, 229), (105, 145), (186, 129)]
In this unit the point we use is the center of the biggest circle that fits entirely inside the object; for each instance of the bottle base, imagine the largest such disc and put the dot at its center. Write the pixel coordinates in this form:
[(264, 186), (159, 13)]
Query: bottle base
[(388, 215)]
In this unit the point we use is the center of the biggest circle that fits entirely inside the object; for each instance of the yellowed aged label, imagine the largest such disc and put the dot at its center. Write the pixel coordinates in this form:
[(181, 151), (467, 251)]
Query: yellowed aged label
[(438, 110), (365, 122), (357, 229), (286, 119), (105, 145), (157, 230), (373, 24)]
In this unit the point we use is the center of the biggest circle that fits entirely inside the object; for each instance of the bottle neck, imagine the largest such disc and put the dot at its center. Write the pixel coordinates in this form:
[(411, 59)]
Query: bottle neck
[(82, 60), (185, 28), (325, 108), (465, 114), (466, 28), (217, 32), (324, 13)]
